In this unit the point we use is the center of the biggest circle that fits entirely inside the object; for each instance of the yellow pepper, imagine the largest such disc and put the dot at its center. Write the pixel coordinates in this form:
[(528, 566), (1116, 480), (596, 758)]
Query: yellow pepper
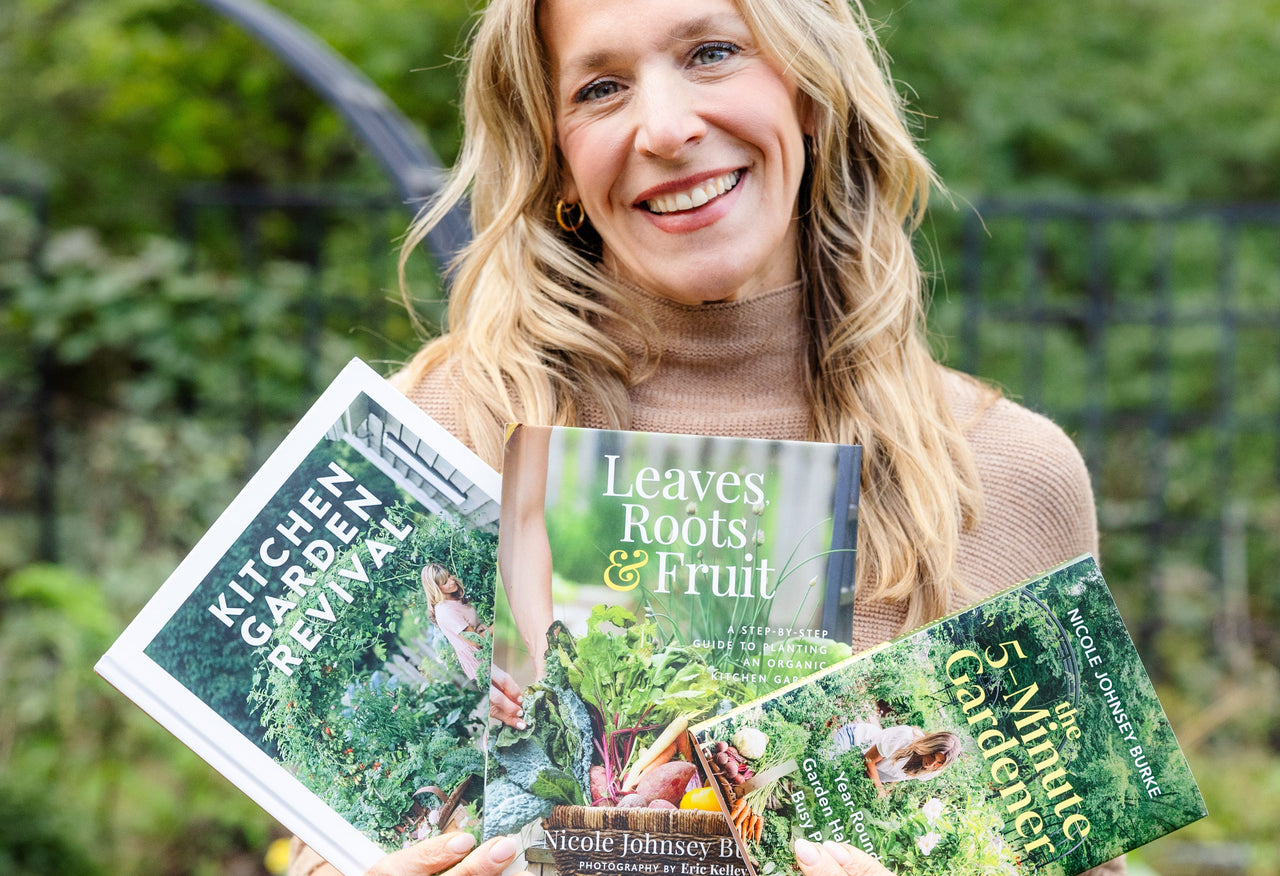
[(700, 798)]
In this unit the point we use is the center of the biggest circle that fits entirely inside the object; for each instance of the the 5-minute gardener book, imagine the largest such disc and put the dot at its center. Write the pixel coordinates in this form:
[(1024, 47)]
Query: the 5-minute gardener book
[(294, 648), (1021, 735)]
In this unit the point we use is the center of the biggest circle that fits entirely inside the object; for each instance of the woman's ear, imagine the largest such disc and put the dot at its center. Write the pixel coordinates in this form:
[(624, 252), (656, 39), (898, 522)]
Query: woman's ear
[(568, 189), (806, 114)]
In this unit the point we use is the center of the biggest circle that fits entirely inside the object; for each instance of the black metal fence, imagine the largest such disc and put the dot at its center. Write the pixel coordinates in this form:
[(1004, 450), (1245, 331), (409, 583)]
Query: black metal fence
[(1151, 334), (348, 285)]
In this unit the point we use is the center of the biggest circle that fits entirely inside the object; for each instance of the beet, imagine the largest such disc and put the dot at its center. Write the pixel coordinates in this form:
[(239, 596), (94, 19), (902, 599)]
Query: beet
[(599, 784), (633, 801), (662, 804)]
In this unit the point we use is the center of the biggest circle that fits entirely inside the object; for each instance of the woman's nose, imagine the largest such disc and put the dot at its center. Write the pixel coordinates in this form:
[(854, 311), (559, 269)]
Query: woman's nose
[(668, 120)]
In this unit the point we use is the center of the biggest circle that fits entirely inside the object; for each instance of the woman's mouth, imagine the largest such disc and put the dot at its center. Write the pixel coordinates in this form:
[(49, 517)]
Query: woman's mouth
[(695, 196)]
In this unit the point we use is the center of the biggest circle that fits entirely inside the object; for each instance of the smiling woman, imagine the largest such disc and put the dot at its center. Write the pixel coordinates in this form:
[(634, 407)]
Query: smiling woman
[(785, 303), (696, 216)]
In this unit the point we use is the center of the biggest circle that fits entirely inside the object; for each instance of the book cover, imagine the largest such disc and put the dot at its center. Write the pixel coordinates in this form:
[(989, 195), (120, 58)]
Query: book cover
[(1021, 735), (650, 580), (325, 645)]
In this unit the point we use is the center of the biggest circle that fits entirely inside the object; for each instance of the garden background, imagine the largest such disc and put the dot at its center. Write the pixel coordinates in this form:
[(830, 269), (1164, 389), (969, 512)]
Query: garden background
[(192, 243)]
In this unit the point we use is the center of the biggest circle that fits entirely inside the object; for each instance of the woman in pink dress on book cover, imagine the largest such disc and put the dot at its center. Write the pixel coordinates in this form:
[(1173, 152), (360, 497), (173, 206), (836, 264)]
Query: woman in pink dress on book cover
[(448, 609)]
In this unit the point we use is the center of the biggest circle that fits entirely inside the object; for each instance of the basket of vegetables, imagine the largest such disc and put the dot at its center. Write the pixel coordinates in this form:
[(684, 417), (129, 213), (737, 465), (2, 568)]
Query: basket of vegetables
[(604, 764), (659, 812)]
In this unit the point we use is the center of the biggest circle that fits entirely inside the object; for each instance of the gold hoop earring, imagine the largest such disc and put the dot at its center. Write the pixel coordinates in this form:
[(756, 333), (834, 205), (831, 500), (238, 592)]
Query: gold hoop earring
[(570, 216)]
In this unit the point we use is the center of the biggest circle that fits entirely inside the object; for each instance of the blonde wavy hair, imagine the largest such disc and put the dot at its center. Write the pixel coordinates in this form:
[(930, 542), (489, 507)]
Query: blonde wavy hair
[(434, 577), (911, 757), (523, 330)]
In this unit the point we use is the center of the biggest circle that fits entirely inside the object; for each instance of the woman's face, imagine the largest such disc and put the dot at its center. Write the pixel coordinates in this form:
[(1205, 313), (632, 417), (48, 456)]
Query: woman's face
[(682, 141), (450, 586)]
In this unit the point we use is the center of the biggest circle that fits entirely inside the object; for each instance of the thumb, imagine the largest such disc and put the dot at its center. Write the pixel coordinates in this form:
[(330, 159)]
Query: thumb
[(490, 859), (448, 852)]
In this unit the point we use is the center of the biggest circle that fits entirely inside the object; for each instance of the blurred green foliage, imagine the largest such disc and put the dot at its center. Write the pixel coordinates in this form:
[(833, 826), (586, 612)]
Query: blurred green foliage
[(90, 785), (164, 387), (169, 92), (1171, 99), (164, 405)]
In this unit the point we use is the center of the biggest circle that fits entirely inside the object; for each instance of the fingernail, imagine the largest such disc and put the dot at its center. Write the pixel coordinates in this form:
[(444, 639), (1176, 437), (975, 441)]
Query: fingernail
[(806, 852), (461, 843), (503, 850), (837, 851)]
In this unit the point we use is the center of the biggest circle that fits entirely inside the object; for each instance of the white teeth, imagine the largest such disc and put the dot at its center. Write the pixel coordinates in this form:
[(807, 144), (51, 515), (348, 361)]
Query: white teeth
[(694, 197)]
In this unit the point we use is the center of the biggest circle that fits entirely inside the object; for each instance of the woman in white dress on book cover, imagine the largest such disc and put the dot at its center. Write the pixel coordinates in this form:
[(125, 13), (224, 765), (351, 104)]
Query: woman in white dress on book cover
[(898, 754)]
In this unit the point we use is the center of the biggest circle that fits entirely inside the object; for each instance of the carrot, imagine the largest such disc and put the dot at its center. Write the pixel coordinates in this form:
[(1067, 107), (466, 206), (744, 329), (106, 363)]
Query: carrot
[(738, 807), (683, 748), (759, 828), (662, 757), (666, 739)]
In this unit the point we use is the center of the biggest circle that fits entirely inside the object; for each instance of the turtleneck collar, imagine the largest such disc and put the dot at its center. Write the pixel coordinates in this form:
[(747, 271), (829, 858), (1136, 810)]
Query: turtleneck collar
[(722, 368)]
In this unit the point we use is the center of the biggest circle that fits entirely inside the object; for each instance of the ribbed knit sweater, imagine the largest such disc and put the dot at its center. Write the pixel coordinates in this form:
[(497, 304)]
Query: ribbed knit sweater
[(736, 368)]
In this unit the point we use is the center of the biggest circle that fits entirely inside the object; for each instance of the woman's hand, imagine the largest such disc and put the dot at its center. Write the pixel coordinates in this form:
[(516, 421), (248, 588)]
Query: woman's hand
[(449, 852), (504, 699), (871, 758), (836, 859)]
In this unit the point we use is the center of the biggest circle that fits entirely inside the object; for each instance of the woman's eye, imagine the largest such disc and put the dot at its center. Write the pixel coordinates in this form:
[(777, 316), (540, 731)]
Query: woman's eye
[(597, 90), (711, 53)]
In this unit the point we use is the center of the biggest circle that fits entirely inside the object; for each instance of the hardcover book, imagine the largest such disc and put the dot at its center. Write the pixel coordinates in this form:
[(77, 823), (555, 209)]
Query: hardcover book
[(1021, 735), (650, 580), (325, 645)]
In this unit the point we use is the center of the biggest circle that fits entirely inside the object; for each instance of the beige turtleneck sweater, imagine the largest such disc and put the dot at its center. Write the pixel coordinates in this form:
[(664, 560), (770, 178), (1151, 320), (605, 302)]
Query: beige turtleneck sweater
[(736, 368)]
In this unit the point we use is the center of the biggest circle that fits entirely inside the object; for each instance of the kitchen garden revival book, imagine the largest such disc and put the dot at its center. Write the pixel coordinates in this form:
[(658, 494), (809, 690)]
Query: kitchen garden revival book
[(1020, 735), (325, 644), (650, 580)]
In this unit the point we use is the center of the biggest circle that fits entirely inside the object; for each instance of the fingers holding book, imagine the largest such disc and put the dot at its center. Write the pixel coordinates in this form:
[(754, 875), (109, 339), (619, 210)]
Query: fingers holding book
[(452, 852), (505, 699), (836, 859)]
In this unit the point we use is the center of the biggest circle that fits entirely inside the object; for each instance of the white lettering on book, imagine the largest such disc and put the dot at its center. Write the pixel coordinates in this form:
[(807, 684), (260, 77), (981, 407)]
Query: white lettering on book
[(284, 550)]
